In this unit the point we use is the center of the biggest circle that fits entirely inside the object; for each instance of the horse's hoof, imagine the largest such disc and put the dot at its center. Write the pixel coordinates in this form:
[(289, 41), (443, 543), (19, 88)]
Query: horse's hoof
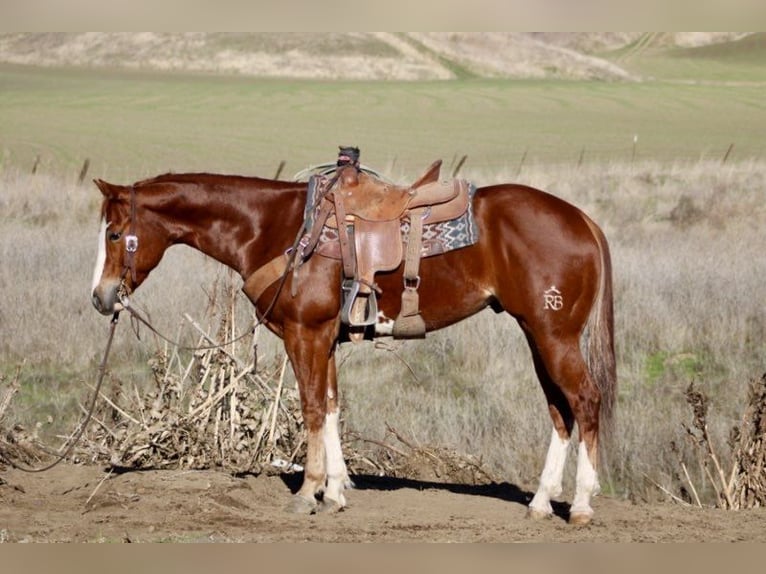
[(329, 506), (535, 514), (300, 505), (580, 518)]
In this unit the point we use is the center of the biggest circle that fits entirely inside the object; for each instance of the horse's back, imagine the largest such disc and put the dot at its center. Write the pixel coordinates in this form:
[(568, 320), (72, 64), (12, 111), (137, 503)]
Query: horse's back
[(529, 211), (532, 226)]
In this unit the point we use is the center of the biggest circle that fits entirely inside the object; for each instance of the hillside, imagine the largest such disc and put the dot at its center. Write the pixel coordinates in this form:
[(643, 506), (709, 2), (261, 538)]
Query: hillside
[(388, 56)]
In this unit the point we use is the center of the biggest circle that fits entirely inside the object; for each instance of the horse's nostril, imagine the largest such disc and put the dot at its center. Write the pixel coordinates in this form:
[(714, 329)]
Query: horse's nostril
[(97, 303)]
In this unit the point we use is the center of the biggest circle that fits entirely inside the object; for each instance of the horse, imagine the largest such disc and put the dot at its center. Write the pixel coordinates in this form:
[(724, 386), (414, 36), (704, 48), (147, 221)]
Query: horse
[(538, 258)]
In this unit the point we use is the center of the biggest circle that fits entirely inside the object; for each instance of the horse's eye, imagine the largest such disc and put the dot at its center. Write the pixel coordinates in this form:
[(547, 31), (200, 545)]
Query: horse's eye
[(115, 236)]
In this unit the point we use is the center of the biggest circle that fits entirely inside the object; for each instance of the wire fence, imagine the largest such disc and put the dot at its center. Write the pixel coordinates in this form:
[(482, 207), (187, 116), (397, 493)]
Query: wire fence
[(509, 161)]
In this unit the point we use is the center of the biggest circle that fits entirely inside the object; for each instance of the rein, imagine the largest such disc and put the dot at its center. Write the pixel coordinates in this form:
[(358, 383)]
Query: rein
[(91, 408), (131, 247), (260, 321), (141, 319), (129, 266)]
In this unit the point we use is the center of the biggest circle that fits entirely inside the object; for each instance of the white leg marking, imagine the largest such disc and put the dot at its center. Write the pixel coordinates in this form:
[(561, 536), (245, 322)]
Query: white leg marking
[(552, 476), (587, 483), (383, 325), (337, 474), (98, 271)]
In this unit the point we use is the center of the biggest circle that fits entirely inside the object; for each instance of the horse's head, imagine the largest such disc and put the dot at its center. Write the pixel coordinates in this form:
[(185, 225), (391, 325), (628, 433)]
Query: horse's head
[(130, 246)]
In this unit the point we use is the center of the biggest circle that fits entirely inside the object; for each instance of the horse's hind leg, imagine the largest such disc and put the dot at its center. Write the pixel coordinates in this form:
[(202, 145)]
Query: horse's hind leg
[(551, 478), (572, 397)]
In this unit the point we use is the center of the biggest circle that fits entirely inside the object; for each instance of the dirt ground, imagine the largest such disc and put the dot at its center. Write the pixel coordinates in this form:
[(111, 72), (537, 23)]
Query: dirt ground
[(84, 504)]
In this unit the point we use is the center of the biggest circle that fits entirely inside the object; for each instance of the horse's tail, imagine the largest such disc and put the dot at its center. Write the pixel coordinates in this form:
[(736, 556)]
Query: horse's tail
[(599, 344)]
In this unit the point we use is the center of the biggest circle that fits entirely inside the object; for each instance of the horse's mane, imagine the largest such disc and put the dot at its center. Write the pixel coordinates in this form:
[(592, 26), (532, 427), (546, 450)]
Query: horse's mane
[(185, 178), (205, 178)]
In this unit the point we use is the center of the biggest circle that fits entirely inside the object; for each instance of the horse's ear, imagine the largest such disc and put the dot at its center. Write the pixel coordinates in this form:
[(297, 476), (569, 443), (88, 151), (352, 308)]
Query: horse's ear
[(349, 175), (107, 189), (431, 174)]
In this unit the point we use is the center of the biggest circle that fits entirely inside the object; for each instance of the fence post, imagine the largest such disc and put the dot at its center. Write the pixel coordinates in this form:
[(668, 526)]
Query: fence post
[(521, 163), (84, 170), (459, 165), (279, 169), (728, 152)]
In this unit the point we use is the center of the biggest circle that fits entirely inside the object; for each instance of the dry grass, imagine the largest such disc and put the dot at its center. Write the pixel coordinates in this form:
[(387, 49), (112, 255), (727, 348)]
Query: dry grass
[(364, 55), (685, 242), (318, 55)]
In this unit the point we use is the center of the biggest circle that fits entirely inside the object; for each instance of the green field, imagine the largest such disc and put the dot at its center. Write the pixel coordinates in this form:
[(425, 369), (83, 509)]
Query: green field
[(132, 125)]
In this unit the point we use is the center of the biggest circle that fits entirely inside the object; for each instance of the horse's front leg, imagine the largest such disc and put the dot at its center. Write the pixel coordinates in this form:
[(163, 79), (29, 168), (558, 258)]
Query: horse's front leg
[(310, 354), (337, 473)]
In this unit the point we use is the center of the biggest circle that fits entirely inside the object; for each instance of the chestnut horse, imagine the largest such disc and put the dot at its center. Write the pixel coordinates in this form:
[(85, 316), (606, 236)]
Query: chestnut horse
[(538, 258)]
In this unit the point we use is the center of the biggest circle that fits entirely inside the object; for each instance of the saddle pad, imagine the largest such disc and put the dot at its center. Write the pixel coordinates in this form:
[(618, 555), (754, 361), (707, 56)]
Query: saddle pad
[(312, 200), (449, 235)]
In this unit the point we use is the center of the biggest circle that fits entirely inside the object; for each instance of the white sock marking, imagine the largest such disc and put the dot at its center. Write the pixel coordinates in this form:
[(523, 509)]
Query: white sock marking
[(383, 325), (337, 474), (587, 482), (552, 475)]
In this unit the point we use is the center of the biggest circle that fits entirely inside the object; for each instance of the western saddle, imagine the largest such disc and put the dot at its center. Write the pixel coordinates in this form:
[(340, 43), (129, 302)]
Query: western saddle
[(369, 217)]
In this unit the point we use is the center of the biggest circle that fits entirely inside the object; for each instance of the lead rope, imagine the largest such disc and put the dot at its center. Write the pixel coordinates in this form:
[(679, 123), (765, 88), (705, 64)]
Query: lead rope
[(136, 316), (132, 245), (91, 408)]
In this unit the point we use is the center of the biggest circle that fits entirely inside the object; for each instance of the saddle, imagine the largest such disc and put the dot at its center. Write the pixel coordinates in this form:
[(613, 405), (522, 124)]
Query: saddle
[(372, 226), (369, 217)]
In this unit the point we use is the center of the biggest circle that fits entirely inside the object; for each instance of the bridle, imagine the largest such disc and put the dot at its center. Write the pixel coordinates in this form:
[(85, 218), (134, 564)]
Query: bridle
[(131, 241)]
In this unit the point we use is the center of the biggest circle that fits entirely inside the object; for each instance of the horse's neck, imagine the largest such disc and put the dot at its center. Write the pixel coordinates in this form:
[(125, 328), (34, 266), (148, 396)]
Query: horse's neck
[(237, 227)]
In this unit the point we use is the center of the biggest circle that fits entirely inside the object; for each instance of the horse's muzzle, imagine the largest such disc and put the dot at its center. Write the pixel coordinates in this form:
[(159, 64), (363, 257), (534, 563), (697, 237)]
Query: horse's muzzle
[(106, 300)]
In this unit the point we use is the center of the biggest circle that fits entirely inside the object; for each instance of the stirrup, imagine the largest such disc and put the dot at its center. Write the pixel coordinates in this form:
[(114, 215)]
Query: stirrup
[(350, 289)]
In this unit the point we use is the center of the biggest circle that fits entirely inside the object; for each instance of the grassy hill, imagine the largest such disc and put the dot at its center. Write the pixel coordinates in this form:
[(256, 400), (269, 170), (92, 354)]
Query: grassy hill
[(403, 56), (734, 58)]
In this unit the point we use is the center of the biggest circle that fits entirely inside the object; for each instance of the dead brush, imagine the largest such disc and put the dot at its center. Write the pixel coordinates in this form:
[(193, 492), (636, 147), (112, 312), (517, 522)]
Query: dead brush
[(744, 484), (213, 410)]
